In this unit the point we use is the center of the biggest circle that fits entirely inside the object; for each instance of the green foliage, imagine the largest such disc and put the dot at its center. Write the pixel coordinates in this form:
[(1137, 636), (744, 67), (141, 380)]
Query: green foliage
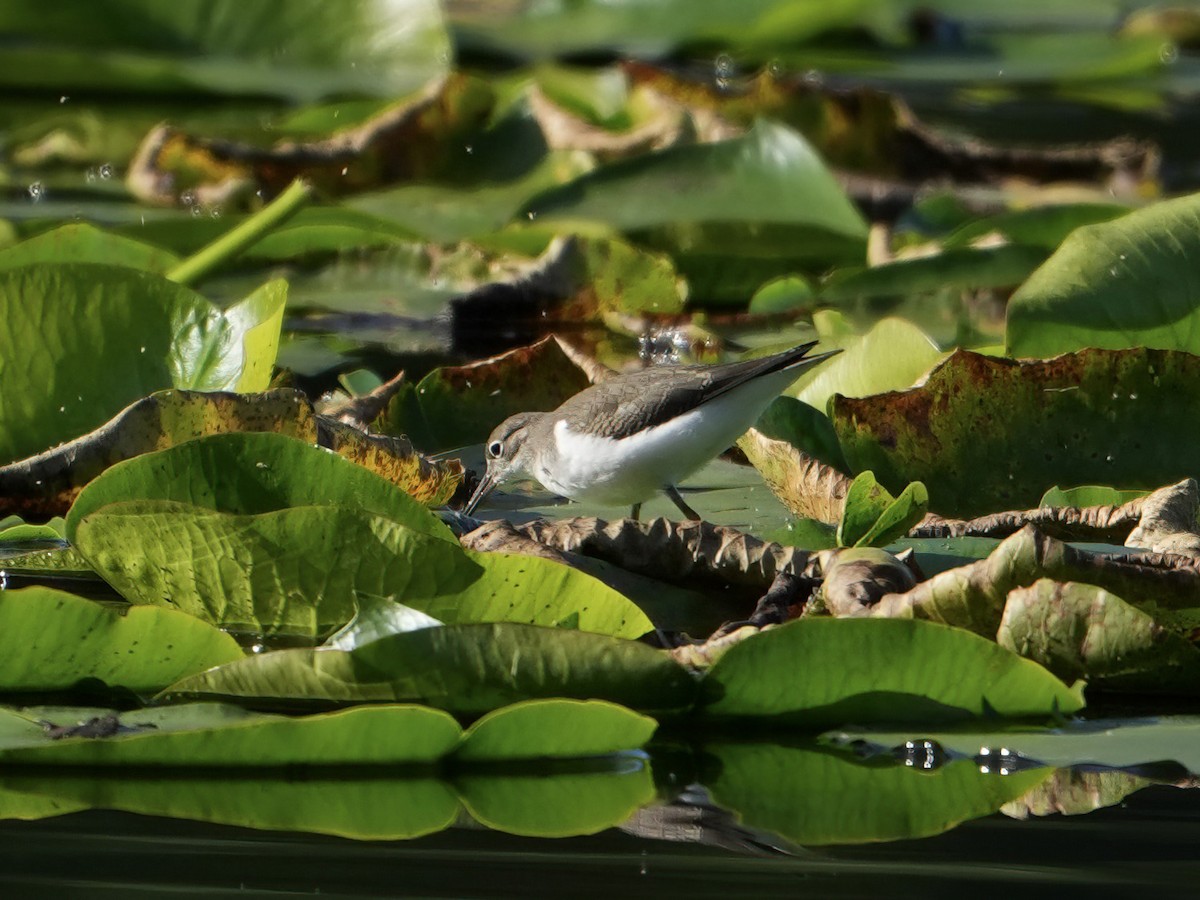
[(81, 341), (872, 517)]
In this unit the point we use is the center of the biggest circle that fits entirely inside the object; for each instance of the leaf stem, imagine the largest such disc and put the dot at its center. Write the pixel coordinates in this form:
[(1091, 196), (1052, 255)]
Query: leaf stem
[(245, 235)]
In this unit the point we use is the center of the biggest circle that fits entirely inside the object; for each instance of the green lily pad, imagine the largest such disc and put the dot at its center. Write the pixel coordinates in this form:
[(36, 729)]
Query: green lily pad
[(1119, 743), (465, 669), (373, 808), (247, 473), (771, 175), (291, 571), (51, 640), (989, 434), (905, 671), (954, 269), (1088, 495), (208, 734), (83, 340), (81, 242), (783, 295), (536, 729), (1124, 283), (892, 355)]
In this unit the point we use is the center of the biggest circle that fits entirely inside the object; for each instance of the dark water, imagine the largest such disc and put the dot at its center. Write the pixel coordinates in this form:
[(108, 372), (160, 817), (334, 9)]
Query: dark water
[(1148, 845)]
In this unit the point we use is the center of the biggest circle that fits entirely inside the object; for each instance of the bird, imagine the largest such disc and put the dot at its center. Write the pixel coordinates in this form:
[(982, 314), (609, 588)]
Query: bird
[(621, 441)]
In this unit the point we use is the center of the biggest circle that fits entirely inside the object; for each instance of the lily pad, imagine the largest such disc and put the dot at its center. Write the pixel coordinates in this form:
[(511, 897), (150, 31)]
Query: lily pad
[(84, 340), (989, 434), (290, 571), (1124, 283), (906, 671), (465, 669), (52, 639), (771, 175), (81, 242), (251, 473), (872, 517), (205, 734)]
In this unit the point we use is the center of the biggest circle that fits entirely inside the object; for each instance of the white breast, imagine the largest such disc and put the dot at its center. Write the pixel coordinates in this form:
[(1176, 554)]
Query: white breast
[(632, 469)]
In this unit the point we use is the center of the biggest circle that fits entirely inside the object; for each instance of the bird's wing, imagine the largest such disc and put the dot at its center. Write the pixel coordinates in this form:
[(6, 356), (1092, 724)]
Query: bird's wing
[(653, 396)]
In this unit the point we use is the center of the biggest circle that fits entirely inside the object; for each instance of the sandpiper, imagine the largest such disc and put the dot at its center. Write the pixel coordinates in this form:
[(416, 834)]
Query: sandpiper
[(622, 440)]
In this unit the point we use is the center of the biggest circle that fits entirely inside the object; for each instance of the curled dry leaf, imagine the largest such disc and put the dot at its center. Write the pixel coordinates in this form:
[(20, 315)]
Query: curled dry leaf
[(46, 485), (360, 412), (674, 551), (1083, 631), (501, 536), (1163, 522), (394, 458), (974, 596), (664, 124), (1072, 792), (703, 655), (408, 140), (1168, 520), (807, 486), (856, 578)]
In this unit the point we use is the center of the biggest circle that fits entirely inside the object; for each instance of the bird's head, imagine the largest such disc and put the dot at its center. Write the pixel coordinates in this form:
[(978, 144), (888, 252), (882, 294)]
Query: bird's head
[(509, 455)]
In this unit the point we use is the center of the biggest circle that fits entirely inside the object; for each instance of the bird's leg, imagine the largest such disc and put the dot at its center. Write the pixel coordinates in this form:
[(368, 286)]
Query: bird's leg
[(635, 511), (673, 494)]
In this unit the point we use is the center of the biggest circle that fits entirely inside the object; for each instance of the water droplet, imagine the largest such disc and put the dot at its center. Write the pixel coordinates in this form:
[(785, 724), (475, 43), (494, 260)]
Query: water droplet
[(345, 169), (531, 216), (106, 170), (215, 212), (999, 73), (196, 211), (260, 465), (188, 198), (257, 648), (1169, 54), (37, 191), (64, 98), (1133, 395), (813, 77), (1108, 458), (89, 176), (1113, 271), (143, 349), (470, 149)]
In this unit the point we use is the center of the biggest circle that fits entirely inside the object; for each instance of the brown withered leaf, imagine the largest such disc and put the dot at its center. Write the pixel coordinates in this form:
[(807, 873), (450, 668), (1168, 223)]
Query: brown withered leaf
[(662, 125), (675, 551), (703, 655), (394, 458), (409, 140), (974, 596), (458, 405), (856, 578), (1162, 522), (1083, 631), (805, 485), (865, 130), (360, 412), (45, 485), (1071, 792)]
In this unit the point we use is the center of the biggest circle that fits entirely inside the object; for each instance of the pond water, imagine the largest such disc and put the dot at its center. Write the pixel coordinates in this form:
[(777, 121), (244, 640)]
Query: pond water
[(759, 818)]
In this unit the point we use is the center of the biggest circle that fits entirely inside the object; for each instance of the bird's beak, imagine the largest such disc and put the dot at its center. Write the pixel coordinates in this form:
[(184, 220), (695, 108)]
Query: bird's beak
[(486, 484)]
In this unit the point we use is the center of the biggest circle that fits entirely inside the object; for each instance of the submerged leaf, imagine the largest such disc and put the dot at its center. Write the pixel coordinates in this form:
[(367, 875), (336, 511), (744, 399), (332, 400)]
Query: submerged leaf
[(555, 728)]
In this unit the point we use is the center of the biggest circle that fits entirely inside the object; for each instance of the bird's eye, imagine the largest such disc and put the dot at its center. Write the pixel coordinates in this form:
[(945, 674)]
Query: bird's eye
[(495, 448)]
